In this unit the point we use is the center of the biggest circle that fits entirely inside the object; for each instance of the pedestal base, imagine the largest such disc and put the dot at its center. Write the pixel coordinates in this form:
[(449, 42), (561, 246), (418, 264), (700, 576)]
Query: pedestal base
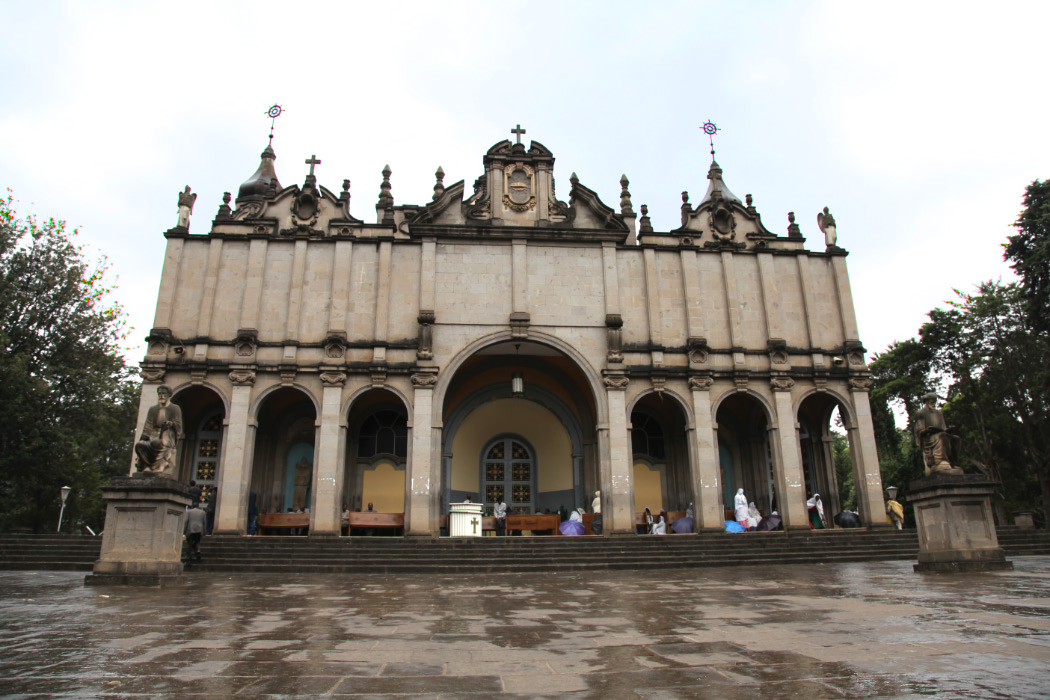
[(953, 516), (142, 541)]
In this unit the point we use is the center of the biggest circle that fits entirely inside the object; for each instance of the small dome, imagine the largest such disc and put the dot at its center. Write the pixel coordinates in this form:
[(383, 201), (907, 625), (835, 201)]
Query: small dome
[(258, 185)]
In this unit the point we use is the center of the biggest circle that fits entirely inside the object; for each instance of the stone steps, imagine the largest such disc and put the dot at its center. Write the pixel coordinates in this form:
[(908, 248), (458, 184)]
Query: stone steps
[(509, 554)]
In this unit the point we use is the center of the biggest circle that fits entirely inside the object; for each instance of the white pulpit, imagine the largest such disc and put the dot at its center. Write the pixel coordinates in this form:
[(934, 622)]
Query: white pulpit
[(465, 520)]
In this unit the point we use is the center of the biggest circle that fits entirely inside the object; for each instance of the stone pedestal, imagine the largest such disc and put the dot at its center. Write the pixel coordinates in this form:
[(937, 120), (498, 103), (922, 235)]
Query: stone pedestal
[(953, 514), (142, 541), (464, 520)]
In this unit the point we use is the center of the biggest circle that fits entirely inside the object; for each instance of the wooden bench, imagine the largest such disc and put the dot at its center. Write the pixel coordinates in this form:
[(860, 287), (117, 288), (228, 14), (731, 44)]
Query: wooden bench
[(383, 521), (275, 521), (534, 522)]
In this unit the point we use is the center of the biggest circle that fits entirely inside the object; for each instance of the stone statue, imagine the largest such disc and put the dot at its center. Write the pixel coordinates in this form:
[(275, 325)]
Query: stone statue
[(596, 504), (158, 445), (303, 471), (186, 201), (938, 441), (826, 223)]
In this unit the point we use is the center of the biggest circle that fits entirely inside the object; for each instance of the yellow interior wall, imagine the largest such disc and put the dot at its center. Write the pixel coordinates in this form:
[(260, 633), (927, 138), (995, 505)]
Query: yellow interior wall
[(647, 491), (384, 487), (536, 424)]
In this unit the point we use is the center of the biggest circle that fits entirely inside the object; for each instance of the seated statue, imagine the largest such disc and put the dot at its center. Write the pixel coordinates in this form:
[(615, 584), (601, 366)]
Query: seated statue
[(938, 441), (157, 446)]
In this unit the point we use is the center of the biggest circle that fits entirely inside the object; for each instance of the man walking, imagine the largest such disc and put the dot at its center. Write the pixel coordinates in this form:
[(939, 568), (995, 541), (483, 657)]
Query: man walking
[(196, 523)]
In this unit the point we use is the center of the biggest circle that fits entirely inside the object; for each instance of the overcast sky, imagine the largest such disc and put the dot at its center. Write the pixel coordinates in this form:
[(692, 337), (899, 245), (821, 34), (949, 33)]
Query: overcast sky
[(918, 124)]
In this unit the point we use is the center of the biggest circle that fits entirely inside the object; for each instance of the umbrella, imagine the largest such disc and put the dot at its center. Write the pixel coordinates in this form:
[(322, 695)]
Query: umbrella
[(848, 518), (683, 526), (769, 523), (734, 526), (572, 528)]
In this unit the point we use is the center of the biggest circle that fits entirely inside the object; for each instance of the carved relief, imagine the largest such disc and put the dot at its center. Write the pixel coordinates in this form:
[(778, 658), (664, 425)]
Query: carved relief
[(425, 347), (519, 187), (334, 347), (242, 377), (698, 350), (781, 383), (378, 373), (701, 382), (860, 383), (740, 379), (152, 374), (333, 378), (722, 222), (778, 353), (244, 345), (659, 382), (424, 379), (614, 331), (157, 347), (248, 211), (616, 382), (519, 324), (287, 375)]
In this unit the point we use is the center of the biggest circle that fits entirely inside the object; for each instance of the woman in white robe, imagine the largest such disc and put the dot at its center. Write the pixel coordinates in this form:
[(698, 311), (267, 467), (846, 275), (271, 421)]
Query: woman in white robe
[(740, 508), (660, 526), (753, 516)]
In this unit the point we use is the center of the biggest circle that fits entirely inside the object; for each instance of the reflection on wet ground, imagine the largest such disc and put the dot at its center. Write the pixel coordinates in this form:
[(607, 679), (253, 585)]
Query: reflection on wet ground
[(870, 630)]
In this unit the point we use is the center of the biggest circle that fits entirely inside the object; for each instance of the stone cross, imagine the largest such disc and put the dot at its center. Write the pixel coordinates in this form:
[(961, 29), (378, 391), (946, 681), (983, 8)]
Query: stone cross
[(312, 161), (518, 130), (474, 522)]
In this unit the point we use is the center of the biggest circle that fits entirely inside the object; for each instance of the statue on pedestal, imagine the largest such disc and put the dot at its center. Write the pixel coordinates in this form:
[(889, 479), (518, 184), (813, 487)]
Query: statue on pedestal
[(186, 201), (938, 441), (157, 446)]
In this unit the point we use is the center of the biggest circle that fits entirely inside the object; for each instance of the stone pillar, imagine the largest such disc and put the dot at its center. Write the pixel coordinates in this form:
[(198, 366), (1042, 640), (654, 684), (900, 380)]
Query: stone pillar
[(866, 473), (231, 513), (325, 510), (791, 491), (953, 514), (423, 479), (142, 540), (707, 471), (618, 515)]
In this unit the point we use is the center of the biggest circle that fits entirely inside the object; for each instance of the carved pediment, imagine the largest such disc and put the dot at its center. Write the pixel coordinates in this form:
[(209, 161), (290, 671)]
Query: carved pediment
[(441, 211)]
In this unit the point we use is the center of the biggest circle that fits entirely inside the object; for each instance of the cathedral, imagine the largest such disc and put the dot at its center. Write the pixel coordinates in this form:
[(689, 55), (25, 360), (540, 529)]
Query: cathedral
[(501, 342)]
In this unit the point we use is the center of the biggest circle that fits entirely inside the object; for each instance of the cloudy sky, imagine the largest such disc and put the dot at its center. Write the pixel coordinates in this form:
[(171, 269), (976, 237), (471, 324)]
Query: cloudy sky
[(918, 123)]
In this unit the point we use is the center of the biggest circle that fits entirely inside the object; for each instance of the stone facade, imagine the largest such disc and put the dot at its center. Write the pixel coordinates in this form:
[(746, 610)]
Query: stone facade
[(687, 363)]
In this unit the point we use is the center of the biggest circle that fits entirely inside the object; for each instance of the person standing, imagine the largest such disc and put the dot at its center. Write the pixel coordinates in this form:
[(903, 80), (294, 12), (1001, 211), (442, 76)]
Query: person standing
[(196, 522), (500, 511)]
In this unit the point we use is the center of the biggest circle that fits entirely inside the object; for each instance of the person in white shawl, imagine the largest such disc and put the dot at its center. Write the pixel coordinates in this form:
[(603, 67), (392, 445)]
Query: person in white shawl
[(753, 516), (816, 512), (660, 526), (740, 507)]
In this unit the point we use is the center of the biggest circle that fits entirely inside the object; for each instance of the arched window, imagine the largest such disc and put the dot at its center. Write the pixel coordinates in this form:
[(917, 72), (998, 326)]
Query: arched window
[(509, 472), (206, 455), (647, 437), (383, 433)]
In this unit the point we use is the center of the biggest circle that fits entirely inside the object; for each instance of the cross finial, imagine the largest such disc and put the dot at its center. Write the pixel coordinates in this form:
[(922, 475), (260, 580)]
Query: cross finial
[(312, 161), (518, 130), (273, 112), (710, 129)]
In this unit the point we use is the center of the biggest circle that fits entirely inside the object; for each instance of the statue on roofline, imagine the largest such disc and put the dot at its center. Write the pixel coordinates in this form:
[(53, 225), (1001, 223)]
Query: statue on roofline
[(186, 201)]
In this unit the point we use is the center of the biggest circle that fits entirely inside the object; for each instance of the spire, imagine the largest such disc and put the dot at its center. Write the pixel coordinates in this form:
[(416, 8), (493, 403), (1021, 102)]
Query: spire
[(439, 186), (717, 189), (385, 205), (260, 184), (625, 197)]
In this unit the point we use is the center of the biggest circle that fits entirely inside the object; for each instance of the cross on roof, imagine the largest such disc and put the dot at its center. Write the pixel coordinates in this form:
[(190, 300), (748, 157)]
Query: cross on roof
[(518, 130), (312, 161)]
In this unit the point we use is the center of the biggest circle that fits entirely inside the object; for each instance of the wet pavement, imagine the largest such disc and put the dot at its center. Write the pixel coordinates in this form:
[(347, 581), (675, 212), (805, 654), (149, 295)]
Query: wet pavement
[(871, 630)]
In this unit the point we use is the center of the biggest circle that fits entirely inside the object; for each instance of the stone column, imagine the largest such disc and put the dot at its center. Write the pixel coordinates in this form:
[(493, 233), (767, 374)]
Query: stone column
[(618, 515), (791, 486), (423, 479), (866, 473), (231, 513), (707, 470), (325, 510)]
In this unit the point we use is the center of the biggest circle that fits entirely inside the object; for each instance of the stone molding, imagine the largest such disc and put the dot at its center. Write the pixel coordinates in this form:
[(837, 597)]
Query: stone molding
[(781, 383), (333, 378), (242, 377), (701, 382)]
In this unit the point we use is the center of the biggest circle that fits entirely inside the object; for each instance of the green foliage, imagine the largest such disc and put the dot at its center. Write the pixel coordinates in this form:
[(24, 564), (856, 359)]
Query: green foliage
[(843, 471), (1028, 252), (68, 400)]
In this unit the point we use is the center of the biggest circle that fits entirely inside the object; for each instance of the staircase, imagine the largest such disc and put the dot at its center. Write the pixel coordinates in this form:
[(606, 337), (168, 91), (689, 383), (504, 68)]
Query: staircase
[(397, 555)]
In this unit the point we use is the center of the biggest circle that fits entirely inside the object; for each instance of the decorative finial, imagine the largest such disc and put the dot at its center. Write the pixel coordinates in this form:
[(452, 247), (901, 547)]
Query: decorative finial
[(225, 212), (386, 200), (625, 197), (793, 229), (439, 186), (687, 208), (573, 180), (345, 195), (747, 200), (644, 225), (685, 197), (518, 131), (273, 112), (710, 129)]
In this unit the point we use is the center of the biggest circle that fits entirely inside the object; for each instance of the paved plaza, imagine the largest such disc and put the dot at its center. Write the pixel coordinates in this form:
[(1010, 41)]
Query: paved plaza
[(871, 630)]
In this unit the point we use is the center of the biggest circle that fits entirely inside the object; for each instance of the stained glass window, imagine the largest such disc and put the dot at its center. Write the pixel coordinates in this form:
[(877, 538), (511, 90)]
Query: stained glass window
[(509, 468), (207, 455)]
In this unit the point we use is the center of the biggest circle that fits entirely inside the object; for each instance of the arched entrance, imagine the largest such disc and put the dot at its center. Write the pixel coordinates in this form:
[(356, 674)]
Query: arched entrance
[(745, 452), (660, 454), (203, 415), (376, 453), (519, 422), (819, 440), (282, 469)]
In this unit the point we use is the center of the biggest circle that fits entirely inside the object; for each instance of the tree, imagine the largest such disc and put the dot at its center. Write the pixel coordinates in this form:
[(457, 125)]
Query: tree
[(67, 395), (1028, 252)]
